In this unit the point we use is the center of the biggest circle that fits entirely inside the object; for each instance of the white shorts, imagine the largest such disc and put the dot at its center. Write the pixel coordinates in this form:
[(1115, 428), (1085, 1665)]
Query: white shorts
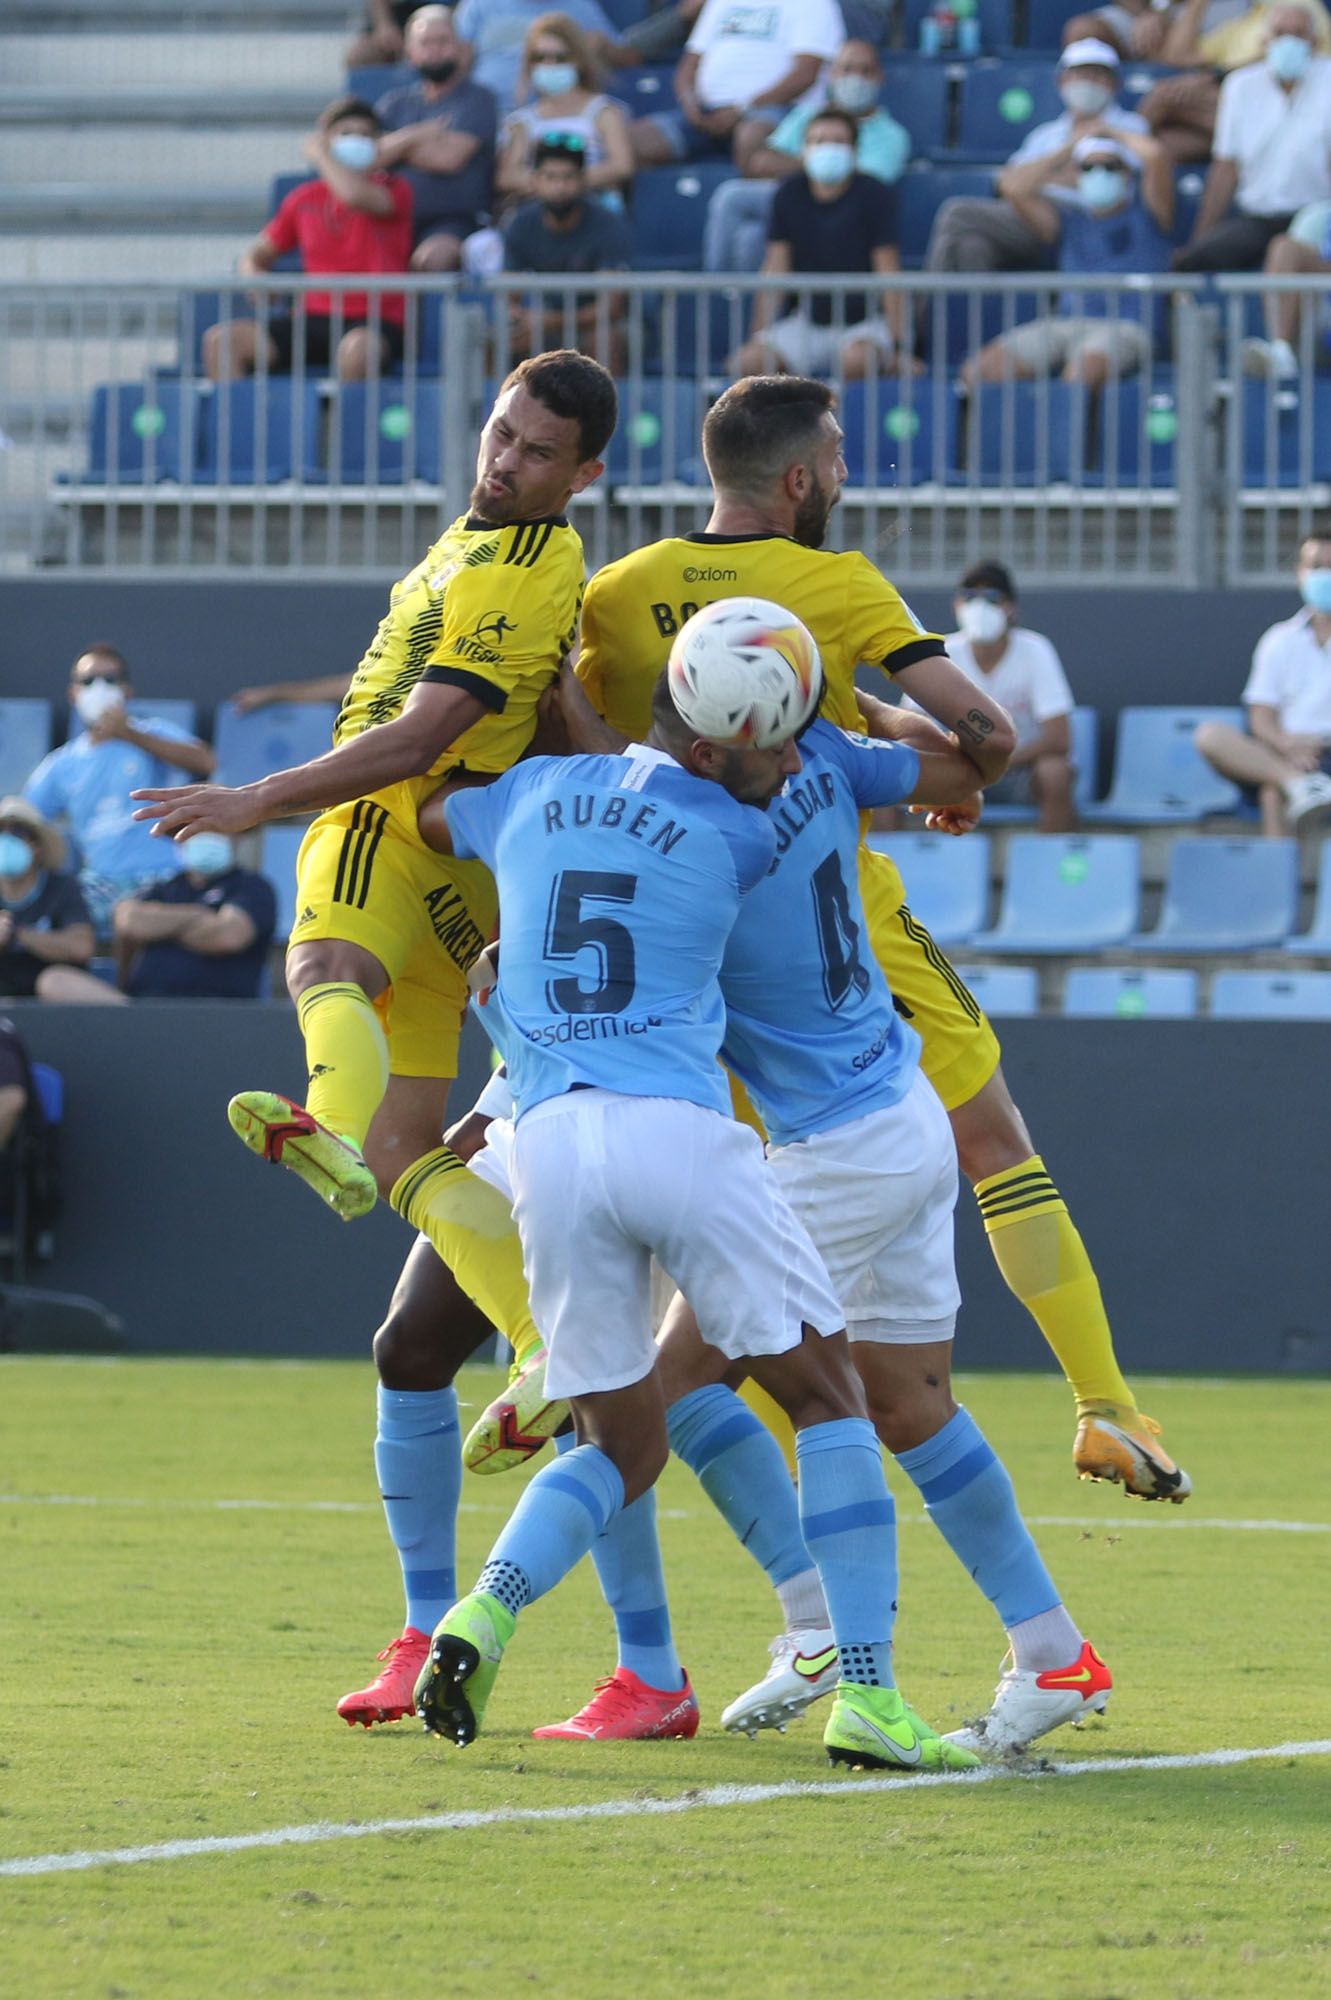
[(809, 349), (877, 1196), (601, 1183)]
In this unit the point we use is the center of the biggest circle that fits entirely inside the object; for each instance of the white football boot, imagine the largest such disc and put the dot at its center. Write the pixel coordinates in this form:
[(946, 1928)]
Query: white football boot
[(805, 1665)]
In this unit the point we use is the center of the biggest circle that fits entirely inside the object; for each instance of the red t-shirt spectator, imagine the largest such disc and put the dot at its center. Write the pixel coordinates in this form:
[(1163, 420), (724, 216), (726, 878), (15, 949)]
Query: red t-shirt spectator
[(334, 239)]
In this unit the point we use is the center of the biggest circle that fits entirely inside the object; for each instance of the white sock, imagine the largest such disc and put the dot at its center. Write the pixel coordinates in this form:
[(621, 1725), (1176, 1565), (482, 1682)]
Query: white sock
[(1283, 358), (803, 1602), (1041, 1645)]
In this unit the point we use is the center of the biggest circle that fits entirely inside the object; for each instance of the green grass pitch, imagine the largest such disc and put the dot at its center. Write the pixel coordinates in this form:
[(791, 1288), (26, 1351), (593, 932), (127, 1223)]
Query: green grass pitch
[(171, 1665)]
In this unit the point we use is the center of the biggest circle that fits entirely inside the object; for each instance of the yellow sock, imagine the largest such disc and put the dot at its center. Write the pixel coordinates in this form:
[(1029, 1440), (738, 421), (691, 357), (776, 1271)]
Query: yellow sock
[(472, 1227), (1044, 1263), (775, 1418), (347, 1055)]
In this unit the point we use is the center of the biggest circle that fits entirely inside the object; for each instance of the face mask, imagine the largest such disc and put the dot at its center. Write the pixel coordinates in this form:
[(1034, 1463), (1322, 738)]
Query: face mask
[(1315, 589), (853, 93), (830, 163), (981, 621), (438, 72), (15, 854), (1085, 100), (1101, 188), (206, 853), (1287, 57), (355, 150), (552, 79), (95, 699)]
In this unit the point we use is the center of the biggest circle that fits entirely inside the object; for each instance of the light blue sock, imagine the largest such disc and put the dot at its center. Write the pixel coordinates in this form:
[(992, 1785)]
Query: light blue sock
[(969, 1497), (743, 1474), (418, 1457), (628, 1563), (849, 1526), (568, 1504)]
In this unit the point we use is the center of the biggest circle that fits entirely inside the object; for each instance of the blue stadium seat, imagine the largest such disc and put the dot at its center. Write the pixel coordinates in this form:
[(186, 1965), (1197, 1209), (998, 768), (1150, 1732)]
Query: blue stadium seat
[(1066, 893), (964, 321), (277, 860), (1000, 103), (947, 880), (1136, 433), (370, 82), (260, 432), (1136, 79), (1159, 774), (1226, 895), (626, 13), (1271, 996), (1026, 434), (669, 210), (707, 327), (914, 423), (1004, 989), (1316, 940), (25, 738), (1046, 20), (1113, 992), (995, 24), (280, 187), (1286, 435), (196, 312), (922, 192), (656, 438), (143, 431), (645, 90), (270, 739), (183, 710), (916, 96), (1084, 730), (379, 436)]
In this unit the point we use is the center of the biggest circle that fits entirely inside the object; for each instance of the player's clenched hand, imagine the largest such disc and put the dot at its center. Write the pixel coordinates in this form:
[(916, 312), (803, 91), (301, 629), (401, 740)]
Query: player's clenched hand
[(183, 810), (963, 818)]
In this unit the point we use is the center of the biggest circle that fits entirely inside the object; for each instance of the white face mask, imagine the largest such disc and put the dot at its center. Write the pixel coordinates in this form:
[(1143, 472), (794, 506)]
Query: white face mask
[(354, 150), (1085, 99), (96, 699), (853, 93), (981, 621)]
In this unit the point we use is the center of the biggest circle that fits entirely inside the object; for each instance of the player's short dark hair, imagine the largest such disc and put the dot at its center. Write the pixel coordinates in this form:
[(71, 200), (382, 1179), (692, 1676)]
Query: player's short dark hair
[(990, 576), (343, 108), (759, 425), (104, 650), (564, 147), (666, 718), (829, 111), (570, 384)]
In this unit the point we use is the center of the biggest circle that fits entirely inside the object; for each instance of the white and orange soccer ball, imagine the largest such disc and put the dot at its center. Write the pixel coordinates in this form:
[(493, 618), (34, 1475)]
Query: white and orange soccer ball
[(745, 671)]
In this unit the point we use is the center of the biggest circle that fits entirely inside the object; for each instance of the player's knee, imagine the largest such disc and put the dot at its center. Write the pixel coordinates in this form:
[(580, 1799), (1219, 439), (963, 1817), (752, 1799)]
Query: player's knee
[(639, 1460), (912, 1414), (408, 1352)]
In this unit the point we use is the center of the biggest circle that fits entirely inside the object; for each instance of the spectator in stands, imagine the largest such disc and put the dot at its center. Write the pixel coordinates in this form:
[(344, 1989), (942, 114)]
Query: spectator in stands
[(382, 38), (88, 780), (351, 219), (15, 1083), (1121, 226), (559, 233), (44, 920), (1272, 149), (439, 135), (972, 233), (559, 77), (202, 934), (1284, 755), (743, 68), (1020, 669), (494, 31), (829, 218), (736, 232), (1304, 250)]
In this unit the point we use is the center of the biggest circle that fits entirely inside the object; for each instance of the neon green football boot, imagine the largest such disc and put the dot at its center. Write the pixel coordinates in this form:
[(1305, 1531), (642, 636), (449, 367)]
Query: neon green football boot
[(462, 1666), (872, 1729)]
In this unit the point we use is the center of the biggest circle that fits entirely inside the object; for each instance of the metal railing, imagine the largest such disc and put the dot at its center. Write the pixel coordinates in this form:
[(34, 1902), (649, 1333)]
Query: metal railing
[(1277, 428), (121, 450)]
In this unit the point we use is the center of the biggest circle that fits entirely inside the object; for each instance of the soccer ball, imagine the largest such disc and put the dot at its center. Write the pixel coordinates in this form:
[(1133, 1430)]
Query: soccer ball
[(745, 671)]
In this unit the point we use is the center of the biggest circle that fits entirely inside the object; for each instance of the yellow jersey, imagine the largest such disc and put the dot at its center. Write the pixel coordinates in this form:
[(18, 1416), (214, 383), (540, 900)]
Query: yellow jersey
[(490, 610)]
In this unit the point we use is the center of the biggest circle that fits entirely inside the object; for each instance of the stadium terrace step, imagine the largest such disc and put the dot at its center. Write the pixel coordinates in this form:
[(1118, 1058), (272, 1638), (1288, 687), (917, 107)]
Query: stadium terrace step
[(184, 252), (123, 156), (116, 63), (47, 104), (259, 16), (44, 205)]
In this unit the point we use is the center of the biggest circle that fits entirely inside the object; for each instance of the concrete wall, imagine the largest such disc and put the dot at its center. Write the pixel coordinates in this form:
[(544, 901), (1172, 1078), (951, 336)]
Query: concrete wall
[(1194, 1156)]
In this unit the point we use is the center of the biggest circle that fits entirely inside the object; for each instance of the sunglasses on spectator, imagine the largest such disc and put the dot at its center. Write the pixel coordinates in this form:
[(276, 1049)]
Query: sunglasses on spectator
[(989, 596), (111, 674), (549, 56)]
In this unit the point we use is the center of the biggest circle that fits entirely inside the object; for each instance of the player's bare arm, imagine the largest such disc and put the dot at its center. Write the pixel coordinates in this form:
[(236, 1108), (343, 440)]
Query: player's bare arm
[(982, 728), (903, 725), (434, 716), (587, 730)]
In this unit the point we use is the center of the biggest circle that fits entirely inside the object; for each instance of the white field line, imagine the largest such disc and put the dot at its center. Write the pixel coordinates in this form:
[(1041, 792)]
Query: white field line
[(1159, 1517), (321, 1831)]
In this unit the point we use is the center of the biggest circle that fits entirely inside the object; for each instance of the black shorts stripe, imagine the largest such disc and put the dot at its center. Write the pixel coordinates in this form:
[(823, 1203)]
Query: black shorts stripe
[(941, 964), (344, 853), (380, 822)]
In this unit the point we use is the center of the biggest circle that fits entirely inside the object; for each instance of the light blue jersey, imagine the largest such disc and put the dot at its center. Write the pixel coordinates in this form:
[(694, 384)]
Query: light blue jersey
[(619, 881), (811, 1028)]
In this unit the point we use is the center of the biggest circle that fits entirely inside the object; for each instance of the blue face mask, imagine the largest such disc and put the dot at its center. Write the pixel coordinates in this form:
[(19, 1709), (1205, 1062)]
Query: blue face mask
[(1315, 589), (853, 93), (206, 853), (355, 150), (15, 855), (1102, 188), (1287, 58), (829, 163), (553, 79)]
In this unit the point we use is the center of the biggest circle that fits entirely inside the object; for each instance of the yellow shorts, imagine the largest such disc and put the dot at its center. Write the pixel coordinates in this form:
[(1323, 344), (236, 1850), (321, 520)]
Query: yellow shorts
[(360, 878), (961, 1050)]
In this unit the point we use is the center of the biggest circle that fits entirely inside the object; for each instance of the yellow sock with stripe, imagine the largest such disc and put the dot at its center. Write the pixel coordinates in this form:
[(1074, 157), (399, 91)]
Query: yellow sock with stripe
[(472, 1228), (1043, 1260), (346, 1053), (770, 1412)]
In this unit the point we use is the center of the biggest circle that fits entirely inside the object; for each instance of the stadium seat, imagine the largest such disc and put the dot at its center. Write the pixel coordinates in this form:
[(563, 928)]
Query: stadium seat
[(1159, 775), (372, 81), (183, 710), (1026, 434), (1286, 434), (920, 195), (1066, 893), (1114, 992), (1004, 989), (1271, 996), (995, 24), (916, 96), (656, 439), (1226, 895), (379, 436), (645, 90), (25, 738), (259, 432), (1084, 730), (669, 210), (1136, 434), (270, 739), (1316, 940), (947, 880), (626, 13), (915, 425), (1000, 103), (693, 332), (142, 432), (196, 312), (277, 860), (1046, 20)]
